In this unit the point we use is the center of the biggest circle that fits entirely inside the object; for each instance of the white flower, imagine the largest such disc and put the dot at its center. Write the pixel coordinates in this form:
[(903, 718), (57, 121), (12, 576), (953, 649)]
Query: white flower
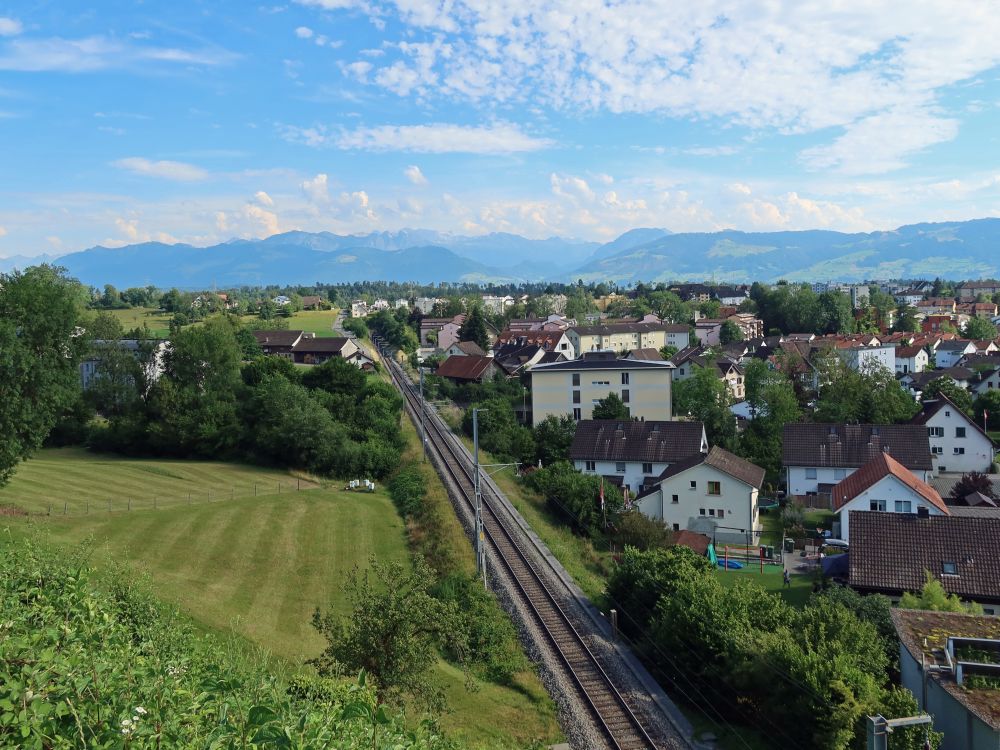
[(140, 710), (126, 723)]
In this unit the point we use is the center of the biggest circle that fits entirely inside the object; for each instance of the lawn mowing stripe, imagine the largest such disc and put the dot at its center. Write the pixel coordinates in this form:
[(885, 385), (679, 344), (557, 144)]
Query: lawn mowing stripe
[(294, 594), (258, 566)]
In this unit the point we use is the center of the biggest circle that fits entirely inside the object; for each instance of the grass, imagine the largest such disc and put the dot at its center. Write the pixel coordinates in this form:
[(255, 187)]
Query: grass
[(158, 321), (319, 322), (797, 594)]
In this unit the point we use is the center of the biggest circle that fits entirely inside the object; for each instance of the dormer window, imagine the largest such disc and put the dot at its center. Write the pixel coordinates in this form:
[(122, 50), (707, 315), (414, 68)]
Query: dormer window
[(949, 569)]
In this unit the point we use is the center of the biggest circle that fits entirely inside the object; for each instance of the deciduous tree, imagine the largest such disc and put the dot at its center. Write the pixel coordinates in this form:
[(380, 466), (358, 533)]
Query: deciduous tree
[(611, 407)]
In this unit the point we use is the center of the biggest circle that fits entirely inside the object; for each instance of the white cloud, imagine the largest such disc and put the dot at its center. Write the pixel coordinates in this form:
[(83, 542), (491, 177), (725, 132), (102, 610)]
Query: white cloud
[(574, 188), (10, 26), (303, 32), (99, 53), (414, 175), (265, 221), (3, 232), (788, 66), (436, 138), (167, 170), (315, 189), (263, 199)]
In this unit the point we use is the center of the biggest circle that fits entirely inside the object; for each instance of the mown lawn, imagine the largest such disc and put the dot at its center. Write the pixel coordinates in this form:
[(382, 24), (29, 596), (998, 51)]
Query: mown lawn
[(319, 322), (158, 321), (797, 594)]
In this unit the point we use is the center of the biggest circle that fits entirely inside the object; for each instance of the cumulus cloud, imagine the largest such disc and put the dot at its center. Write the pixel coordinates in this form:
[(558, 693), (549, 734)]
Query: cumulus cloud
[(788, 66), (315, 189), (166, 170), (303, 32), (436, 138), (414, 175), (10, 26), (263, 199)]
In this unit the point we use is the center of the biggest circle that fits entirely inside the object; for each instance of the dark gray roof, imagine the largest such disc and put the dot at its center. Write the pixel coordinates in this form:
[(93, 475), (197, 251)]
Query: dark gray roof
[(611, 362), (277, 338), (891, 551), (955, 345), (609, 328), (320, 344), (649, 442), (724, 461), (854, 445)]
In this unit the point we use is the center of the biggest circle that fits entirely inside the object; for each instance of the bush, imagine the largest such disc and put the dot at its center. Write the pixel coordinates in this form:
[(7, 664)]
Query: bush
[(408, 490), (576, 497), (636, 529)]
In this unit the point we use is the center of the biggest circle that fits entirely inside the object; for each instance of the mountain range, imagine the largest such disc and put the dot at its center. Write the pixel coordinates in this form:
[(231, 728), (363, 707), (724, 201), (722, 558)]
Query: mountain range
[(968, 249)]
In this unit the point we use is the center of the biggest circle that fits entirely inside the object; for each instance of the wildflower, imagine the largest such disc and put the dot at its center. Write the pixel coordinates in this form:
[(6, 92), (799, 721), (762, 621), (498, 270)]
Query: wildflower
[(140, 710)]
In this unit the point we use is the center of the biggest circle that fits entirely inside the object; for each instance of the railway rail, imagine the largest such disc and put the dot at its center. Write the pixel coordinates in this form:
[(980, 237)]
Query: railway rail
[(609, 709)]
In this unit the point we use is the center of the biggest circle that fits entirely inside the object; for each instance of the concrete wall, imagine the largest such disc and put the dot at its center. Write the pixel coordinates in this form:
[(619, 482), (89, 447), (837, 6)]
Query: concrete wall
[(632, 476)]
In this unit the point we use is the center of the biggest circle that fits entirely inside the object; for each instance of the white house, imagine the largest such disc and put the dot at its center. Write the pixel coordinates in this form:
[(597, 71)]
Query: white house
[(958, 443), (359, 308), (911, 359), (884, 484), (818, 456), (497, 305), (633, 454), (863, 357), (465, 349), (148, 353), (949, 352), (714, 494)]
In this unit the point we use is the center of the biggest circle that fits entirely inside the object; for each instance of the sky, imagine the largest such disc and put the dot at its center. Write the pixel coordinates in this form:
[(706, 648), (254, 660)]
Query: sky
[(198, 122)]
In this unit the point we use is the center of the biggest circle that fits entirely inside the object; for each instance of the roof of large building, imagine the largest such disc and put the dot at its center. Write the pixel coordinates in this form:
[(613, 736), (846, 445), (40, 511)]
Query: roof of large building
[(925, 635), (646, 441), (464, 367), (724, 461), (648, 354), (277, 338), (320, 344), (545, 339), (598, 361), (908, 352), (607, 329), (891, 551), (880, 467), (469, 347), (854, 445)]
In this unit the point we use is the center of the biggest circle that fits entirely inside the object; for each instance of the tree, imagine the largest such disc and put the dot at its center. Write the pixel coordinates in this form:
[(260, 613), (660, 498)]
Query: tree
[(871, 395), (576, 497), (668, 351), (474, 328), (989, 404), (948, 387), (104, 327), (636, 529), (906, 319), (933, 597), (337, 376), (980, 329), (706, 398), (173, 302), (499, 432), (771, 397), (393, 631), (730, 332), (973, 481), (710, 308), (611, 407), (39, 355), (553, 438)]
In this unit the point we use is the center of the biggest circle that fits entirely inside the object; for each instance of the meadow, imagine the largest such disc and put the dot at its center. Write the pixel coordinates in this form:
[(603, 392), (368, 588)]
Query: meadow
[(134, 317)]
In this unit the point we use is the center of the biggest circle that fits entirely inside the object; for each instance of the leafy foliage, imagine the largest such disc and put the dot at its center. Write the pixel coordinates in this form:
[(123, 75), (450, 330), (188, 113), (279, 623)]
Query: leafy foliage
[(499, 432), (988, 402), (611, 407), (553, 438), (958, 395), (973, 481), (980, 329), (635, 529), (706, 399), (474, 328), (771, 397), (871, 395), (933, 597), (576, 497)]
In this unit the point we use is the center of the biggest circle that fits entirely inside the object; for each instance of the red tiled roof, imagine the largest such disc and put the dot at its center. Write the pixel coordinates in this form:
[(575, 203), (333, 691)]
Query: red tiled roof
[(907, 352), (880, 467), (464, 367), (692, 540)]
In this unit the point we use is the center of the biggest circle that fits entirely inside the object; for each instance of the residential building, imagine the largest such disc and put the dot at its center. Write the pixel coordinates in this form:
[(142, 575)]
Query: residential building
[(280, 343), (514, 359), (883, 484), (729, 295), (937, 323), (282, 300), (359, 308), (750, 326), (936, 306), (970, 290), (467, 368), (549, 340), (440, 332), (917, 382), (726, 369), (818, 456), (574, 387), (985, 310), (909, 297), (911, 359), (714, 494), (380, 304), (958, 443), (891, 552), (859, 357), (426, 304), (650, 355), (148, 352), (313, 302), (554, 322), (496, 305), (935, 666), (948, 353), (399, 304), (315, 350), (633, 454), (464, 349), (860, 294), (621, 337), (708, 331), (984, 380)]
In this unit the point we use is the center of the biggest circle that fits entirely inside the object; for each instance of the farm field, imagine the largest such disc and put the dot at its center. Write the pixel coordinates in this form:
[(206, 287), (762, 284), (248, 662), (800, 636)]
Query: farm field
[(158, 322), (319, 322), (255, 566)]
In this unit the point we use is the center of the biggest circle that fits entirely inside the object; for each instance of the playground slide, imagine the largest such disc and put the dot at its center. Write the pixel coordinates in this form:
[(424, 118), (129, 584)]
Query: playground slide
[(731, 564)]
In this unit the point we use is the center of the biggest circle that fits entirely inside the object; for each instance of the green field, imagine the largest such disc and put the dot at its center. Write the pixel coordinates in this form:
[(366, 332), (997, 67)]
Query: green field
[(319, 322), (158, 321), (797, 594)]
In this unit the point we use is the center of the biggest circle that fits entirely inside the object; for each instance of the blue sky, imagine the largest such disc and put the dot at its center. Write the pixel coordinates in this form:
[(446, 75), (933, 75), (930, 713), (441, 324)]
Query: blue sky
[(201, 121)]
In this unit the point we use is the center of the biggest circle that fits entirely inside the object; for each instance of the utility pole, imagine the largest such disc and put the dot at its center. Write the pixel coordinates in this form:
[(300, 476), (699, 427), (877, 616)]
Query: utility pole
[(480, 533), (423, 408), (880, 727)]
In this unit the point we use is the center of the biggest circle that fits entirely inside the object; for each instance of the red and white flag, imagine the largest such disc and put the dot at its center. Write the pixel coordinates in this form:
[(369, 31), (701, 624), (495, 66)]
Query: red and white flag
[(628, 500), (602, 493)]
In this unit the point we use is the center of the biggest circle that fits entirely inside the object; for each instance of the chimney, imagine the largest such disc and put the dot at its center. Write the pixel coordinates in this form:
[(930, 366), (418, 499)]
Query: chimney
[(923, 511)]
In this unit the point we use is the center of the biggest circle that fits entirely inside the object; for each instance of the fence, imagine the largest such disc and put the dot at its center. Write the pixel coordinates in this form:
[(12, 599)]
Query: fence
[(128, 503), (821, 501)]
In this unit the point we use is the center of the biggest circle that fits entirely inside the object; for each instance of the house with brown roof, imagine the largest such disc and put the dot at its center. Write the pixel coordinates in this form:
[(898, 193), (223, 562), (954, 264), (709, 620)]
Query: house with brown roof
[(464, 349), (314, 302), (440, 332), (315, 350), (714, 493), (467, 369), (951, 663), (972, 289), (548, 340), (280, 343), (890, 553), (958, 443), (883, 484), (818, 456), (649, 355), (911, 359), (633, 454)]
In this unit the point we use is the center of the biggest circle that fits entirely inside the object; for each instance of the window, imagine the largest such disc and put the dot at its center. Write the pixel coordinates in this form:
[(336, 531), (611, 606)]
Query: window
[(624, 378), (721, 513), (960, 432), (904, 506), (576, 378), (620, 467), (714, 488), (625, 395), (949, 569), (677, 527), (647, 468), (935, 431), (576, 397), (937, 449), (839, 474), (711, 511), (591, 465), (810, 473), (960, 451), (576, 415), (674, 499), (701, 511), (694, 485), (876, 505), (947, 413)]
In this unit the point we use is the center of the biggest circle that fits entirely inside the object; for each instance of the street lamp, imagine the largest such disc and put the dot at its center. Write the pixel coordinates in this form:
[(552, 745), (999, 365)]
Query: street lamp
[(480, 533)]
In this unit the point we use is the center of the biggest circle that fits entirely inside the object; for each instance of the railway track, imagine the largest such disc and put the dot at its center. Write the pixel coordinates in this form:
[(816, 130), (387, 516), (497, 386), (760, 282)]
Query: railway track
[(609, 709)]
